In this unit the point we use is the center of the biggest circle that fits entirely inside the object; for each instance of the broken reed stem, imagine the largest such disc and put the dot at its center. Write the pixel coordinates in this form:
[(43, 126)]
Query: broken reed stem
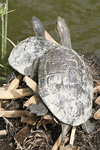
[(97, 114), (32, 84), (0, 104), (48, 37), (3, 132), (96, 89), (13, 94), (15, 83), (35, 99), (97, 101), (72, 137), (13, 113), (58, 141), (29, 120)]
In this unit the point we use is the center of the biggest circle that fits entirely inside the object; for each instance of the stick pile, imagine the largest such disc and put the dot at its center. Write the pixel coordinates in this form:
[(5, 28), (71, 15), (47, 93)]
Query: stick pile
[(26, 136)]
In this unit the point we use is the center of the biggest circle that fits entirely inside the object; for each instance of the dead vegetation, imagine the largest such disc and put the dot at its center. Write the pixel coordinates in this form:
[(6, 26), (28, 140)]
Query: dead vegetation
[(21, 130)]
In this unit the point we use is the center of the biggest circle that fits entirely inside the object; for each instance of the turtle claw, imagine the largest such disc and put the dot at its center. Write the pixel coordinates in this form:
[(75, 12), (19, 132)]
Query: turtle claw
[(88, 127)]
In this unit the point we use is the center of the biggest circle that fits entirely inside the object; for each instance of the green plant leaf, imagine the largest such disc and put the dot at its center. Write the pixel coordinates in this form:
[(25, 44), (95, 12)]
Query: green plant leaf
[(4, 67)]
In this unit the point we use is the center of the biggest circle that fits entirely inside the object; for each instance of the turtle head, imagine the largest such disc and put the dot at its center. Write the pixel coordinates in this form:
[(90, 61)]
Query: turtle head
[(38, 27), (60, 26), (63, 31)]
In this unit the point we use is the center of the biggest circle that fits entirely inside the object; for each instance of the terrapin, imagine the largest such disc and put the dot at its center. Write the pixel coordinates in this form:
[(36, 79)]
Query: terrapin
[(65, 82), (25, 55)]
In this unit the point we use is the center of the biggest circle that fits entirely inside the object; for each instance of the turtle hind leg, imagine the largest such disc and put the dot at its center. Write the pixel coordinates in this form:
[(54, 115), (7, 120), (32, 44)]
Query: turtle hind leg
[(65, 127), (88, 127)]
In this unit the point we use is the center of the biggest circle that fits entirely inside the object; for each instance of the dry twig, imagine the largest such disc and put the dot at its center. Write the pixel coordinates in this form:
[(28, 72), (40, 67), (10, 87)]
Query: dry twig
[(72, 136), (32, 84), (17, 93), (13, 113), (3, 132), (15, 83), (35, 99), (97, 101), (31, 119), (97, 114), (58, 142), (96, 89), (48, 37)]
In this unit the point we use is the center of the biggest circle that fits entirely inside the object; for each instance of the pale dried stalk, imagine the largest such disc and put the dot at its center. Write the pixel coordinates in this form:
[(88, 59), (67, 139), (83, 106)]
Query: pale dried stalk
[(4, 88), (67, 147), (96, 89), (20, 137), (0, 104), (72, 137), (32, 84), (18, 93), (58, 142), (13, 113), (97, 114), (35, 99), (8, 122), (48, 37), (15, 83), (3, 132), (47, 117), (28, 120), (2, 109), (97, 101)]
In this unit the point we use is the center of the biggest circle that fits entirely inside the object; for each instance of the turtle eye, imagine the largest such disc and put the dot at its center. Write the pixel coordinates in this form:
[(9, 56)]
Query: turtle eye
[(56, 27)]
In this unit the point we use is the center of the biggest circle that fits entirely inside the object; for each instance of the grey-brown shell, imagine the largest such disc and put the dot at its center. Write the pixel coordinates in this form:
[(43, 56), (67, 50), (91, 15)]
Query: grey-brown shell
[(66, 85), (23, 55)]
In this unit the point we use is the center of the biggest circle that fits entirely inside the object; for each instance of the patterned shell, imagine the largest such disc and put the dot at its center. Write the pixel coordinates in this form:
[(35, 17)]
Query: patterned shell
[(66, 85), (23, 55)]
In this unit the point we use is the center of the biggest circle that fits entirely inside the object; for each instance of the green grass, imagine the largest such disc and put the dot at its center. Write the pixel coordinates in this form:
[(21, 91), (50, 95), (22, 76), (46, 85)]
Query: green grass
[(3, 78), (4, 19), (4, 67)]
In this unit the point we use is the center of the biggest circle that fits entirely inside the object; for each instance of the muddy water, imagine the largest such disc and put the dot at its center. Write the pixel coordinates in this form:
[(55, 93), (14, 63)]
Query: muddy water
[(82, 17)]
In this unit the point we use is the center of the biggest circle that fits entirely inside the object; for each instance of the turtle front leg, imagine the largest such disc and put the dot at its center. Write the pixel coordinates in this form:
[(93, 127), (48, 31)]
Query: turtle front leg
[(39, 109), (65, 127), (88, 127)]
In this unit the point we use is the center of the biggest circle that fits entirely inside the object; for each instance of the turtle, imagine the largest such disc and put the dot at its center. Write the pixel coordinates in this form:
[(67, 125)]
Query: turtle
[(65, 83), (24, 56)]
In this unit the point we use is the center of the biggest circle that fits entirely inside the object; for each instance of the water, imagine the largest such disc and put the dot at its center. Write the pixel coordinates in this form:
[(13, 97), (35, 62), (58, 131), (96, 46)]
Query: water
[(82, 17)]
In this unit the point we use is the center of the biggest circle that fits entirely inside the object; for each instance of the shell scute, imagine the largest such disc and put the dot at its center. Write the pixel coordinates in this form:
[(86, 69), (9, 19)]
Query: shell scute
[(70, 90), (24, 53), (53, 67)]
